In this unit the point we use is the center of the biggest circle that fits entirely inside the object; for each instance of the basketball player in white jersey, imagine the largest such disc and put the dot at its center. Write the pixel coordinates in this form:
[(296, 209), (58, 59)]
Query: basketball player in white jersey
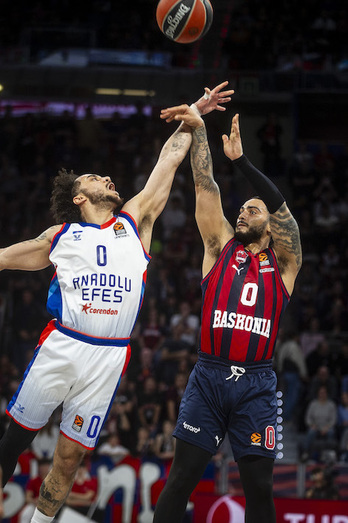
[(100, 254)]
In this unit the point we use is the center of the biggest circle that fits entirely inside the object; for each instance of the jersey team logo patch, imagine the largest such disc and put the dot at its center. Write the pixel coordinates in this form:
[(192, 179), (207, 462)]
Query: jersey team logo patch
[(119, 229), (241, 256), (263, 256), (256, 438), (78, 423)]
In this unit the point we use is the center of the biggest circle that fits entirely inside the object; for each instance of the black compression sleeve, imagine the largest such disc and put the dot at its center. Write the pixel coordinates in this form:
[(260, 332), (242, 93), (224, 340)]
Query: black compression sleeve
[(265, 188)]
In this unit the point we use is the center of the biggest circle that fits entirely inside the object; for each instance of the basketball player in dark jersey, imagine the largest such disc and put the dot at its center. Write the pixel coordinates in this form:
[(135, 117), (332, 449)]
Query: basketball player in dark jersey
[(248, 276)]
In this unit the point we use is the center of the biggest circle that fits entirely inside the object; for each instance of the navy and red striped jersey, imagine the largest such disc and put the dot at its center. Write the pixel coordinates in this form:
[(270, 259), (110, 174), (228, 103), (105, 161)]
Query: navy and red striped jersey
[(243, 300)]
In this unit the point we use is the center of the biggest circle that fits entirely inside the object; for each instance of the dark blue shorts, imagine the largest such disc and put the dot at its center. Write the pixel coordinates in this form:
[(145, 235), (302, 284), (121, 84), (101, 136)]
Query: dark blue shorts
[(232, 398)]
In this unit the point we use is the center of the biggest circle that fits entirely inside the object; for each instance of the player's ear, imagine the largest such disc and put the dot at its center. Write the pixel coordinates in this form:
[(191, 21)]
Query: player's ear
[(79, 199)]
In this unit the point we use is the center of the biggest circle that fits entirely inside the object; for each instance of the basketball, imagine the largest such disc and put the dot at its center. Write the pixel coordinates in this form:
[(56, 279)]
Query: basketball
[(184, 21)]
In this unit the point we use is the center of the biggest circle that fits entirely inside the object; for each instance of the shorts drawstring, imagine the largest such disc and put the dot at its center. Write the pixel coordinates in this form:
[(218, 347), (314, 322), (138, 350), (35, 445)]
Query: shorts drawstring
[(237, 372)]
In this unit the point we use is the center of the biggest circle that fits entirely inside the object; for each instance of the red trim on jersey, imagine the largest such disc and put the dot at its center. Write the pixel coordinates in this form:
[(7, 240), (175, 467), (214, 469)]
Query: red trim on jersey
[(20, 424), (107, 224), (75, 441), (50, 327), (58, 232), (128, 357), (208, 306)]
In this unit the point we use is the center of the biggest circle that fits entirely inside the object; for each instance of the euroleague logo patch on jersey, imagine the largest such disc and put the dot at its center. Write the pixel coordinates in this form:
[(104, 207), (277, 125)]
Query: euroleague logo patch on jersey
[(78, 423), (256, 439), (119, 229), (263, 256)]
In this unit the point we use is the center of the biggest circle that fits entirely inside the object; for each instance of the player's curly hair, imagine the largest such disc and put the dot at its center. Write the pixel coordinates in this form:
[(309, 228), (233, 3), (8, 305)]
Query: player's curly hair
[(65, 188)]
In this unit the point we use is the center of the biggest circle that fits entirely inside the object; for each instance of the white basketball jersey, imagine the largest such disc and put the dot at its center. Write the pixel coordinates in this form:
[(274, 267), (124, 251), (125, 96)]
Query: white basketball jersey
[(99, 283)]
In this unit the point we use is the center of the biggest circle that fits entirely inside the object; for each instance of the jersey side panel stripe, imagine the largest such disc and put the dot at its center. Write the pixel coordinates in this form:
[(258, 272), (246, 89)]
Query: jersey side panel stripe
[(233, 301), (254, 342), (282, 298), (209, 300)]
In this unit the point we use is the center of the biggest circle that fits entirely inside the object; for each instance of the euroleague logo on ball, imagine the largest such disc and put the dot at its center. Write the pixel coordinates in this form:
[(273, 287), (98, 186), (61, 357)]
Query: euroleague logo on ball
[(184, 21)]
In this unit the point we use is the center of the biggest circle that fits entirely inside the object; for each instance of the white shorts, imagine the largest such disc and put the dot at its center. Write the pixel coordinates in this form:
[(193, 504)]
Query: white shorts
[(77, 371)]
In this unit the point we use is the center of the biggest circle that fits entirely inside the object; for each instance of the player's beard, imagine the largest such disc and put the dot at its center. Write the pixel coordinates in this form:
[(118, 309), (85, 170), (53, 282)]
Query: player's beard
[(104, 201), (252, 235)]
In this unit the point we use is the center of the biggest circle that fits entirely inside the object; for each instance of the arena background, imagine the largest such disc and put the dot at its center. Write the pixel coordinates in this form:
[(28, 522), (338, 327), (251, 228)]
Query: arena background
[(82, 86)]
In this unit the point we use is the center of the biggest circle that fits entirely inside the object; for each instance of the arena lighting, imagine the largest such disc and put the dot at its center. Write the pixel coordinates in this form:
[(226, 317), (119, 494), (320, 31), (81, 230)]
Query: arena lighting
[(1, 87), (102, 90), (125, 92)]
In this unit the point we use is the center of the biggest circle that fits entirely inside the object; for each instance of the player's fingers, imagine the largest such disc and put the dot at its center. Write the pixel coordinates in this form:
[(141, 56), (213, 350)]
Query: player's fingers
[(207, 93), (220, 86), (220, 108), (224, 100), (227, 93)]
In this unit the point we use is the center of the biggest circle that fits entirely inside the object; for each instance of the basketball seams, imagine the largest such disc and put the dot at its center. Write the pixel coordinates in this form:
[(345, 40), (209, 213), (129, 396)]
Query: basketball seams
[(184, 21)]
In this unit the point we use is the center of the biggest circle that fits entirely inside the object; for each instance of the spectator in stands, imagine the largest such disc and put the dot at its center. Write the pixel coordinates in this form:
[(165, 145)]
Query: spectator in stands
[(323, 486), (122, 419), (149, 405), (173, 350), (321, 418), (30, 321), (113, 448), (174, 395), (189, 323), (342, 425), (173, 216), (164, 444), (152, 332), (144, 445), (342, 366), (311, 338), (322, 355), (291, 368), (83, 492), (323, 378)]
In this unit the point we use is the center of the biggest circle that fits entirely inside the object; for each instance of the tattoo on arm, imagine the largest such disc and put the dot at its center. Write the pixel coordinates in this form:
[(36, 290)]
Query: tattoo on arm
[(285, 233), (42, 236), (179, 140), (201, 161)]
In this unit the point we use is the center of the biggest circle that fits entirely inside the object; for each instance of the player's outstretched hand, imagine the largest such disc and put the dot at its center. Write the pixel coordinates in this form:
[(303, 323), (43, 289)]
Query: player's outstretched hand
[(212, 99), (182, 113), (233, 144)]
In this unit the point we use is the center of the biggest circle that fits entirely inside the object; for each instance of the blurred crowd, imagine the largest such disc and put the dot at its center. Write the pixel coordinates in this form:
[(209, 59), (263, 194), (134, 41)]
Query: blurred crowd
[(248, 34)]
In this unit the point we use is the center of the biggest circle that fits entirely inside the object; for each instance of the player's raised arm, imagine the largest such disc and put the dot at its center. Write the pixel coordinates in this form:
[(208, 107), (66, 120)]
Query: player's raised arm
[(147, 205), (284, 229), (29, 255)]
